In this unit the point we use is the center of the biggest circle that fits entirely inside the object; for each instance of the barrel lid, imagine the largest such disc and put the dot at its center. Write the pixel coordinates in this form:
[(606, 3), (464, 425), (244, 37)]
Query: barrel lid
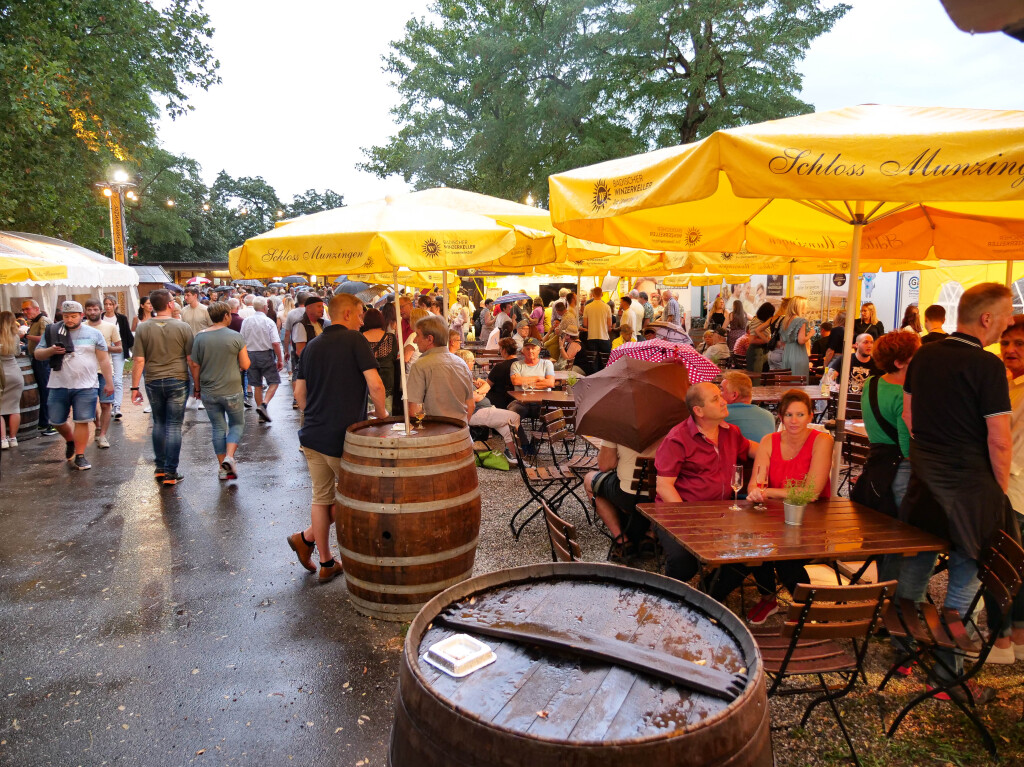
[(652, 626), (383, 428)]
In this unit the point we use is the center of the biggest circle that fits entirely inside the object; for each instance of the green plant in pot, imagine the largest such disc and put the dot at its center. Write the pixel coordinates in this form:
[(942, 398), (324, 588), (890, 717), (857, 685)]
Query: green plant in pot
[(571, 380), (799, 493)]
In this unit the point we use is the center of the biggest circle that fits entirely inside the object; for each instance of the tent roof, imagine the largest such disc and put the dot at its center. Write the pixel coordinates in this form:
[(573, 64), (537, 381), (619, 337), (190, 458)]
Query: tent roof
[(85, 267), (151, 273)]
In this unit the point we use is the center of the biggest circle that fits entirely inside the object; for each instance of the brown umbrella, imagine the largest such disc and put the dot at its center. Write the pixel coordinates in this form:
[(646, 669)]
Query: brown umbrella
[(632, 402)]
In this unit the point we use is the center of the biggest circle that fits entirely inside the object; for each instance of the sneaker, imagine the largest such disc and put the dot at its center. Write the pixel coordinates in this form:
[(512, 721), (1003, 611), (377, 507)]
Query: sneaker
[(173, 479), (222, 473), (69, 451), (229, 465), (147, 409), (328, 574), (117, 414), (49, 431), (510, 458), (4, 443), (102, 441), (159, 474), (248, 404), (302, 550), (12, 441), (261, 411), (81, 463), (200, 406), (763, 610), (979, 693), (1002, 656)]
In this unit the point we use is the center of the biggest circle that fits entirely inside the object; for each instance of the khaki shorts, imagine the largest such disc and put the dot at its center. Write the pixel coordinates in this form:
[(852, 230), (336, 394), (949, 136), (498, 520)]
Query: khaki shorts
[(323, 471)]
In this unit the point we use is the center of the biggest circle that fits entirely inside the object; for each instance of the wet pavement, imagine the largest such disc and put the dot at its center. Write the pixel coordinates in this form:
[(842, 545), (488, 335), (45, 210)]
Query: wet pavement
[(151, 626)]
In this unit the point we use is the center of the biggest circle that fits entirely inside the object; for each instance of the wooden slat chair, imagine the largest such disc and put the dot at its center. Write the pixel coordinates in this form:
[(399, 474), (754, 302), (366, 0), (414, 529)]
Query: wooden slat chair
[(562, 535), (812, 642), (787, 380), (768, 377), (1001, 572), (737, 361), (854, 454), (551, 484)]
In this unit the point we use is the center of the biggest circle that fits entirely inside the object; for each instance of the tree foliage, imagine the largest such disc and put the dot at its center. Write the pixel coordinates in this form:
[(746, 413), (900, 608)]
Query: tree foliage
[(312, 201), (82, 83), (497, 94)]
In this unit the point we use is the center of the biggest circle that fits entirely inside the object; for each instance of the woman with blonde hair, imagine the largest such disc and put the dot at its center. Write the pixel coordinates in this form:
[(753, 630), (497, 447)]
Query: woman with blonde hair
[(460, 316), (717, 314), (868, 322), (12, 383), (793, 333)]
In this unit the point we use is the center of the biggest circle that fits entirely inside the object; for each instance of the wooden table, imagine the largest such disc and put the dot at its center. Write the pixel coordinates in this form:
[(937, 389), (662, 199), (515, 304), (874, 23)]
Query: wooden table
[(836, 528), (763, 394), (537, 397)]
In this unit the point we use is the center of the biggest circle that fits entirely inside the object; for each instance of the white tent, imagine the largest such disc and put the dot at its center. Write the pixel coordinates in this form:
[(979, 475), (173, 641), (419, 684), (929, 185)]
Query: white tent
[(89, 274)]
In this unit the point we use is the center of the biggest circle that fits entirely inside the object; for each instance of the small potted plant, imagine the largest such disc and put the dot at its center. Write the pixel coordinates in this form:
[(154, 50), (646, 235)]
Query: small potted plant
[(799, 493), (571, 380)]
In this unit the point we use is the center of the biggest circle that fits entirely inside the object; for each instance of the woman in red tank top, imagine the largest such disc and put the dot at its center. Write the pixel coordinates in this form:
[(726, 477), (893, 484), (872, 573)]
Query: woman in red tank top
[(796, 453)]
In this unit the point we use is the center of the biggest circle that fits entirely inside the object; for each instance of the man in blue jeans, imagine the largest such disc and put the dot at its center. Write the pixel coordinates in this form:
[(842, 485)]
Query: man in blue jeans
[(162, 348), (956, 404)]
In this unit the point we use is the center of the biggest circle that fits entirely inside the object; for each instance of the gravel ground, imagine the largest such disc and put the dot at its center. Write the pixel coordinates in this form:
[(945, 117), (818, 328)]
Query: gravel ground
[(935, 734)]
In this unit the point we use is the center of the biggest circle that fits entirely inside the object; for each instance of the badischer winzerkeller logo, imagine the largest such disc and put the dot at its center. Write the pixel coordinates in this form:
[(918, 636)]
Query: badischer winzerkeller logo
[(693, 236), (431, 248), (602, 194), (725, 256)]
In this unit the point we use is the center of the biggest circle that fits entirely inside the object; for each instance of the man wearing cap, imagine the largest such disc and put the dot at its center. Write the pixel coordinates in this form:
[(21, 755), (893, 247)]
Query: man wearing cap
[(523, 332), (163, 348), (309, 325), (112, 337), (718, 350), (77, 354), (531, 373)]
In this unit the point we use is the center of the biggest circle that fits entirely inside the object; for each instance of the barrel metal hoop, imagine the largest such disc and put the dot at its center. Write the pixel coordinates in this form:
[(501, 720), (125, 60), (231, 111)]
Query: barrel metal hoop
[(377, 452), (417, 588), (407, 508), (411, 442), (405, 471), (384, 610), (422, 559)]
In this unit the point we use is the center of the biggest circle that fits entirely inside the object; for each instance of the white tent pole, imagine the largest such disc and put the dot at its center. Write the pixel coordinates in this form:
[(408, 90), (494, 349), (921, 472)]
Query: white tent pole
[(852, 306), (401, 353)]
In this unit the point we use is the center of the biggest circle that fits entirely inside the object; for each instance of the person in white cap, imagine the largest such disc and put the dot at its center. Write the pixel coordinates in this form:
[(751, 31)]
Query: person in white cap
[(77, 354)]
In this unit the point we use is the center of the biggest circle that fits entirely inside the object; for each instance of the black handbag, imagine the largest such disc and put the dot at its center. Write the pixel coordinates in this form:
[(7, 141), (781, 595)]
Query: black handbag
[(874, 485)]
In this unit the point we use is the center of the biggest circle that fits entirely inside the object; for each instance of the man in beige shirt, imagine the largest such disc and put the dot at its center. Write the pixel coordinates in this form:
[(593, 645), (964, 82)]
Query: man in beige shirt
[(597, 321), (439, 382)]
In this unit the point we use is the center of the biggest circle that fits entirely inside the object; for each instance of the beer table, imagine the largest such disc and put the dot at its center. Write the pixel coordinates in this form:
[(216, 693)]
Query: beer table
[(558, 396), (772, 394), (832, 529)]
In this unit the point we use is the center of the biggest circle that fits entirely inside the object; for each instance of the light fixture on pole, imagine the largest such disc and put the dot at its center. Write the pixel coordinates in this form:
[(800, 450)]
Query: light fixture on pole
[(114, 191)]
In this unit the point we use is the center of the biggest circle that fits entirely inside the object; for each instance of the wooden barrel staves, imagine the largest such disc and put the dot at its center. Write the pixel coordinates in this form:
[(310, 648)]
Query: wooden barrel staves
[(29, 402), (595, 665), (408, 514)]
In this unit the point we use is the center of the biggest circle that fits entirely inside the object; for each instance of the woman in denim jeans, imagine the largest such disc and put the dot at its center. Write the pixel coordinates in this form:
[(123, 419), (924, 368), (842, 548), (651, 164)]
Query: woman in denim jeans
[(218, 353)]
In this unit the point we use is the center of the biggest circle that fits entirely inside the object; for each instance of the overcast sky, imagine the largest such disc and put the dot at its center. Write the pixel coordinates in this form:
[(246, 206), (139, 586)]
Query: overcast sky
[(303, 88)]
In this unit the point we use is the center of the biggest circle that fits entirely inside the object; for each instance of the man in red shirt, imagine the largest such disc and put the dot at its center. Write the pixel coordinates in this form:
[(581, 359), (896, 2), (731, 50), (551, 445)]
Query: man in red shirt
[(695, 463)]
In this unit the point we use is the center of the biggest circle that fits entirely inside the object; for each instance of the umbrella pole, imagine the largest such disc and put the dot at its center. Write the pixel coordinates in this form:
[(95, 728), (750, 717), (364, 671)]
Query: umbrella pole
[(1009, 273), (401, 354), (848, 341), (789, 282), (444, 295)]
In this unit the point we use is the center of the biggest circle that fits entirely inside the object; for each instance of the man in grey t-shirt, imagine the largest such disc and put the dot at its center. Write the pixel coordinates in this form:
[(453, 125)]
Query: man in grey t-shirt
[(217, 356)]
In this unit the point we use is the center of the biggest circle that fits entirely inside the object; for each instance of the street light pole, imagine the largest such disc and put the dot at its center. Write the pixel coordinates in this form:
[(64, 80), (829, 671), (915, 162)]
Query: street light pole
[(114, 191)]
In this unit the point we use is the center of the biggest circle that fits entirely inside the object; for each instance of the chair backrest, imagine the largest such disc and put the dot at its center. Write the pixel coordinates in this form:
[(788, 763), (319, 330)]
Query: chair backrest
[(836, 612), (787, 380), (1001, 570), (768, 377), (737, 361), (645, 479), (564, 545), (855, 449)]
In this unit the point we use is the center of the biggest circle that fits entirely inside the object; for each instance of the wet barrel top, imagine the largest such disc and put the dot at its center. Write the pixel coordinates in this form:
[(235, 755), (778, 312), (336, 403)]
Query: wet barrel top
[(556, 694)]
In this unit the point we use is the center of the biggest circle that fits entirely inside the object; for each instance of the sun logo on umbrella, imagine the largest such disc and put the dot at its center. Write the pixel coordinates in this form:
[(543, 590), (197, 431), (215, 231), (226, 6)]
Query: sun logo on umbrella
[(693, 236), (725, 256), (431, 248), (602, 194)]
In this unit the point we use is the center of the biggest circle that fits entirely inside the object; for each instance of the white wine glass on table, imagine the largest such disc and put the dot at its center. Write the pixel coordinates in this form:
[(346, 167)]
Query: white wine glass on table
[(736, 484), (761, 480)]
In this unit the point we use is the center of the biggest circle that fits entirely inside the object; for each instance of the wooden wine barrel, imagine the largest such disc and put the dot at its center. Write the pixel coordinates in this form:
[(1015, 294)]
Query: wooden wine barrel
[(29, 402), (554, 707), (408, 514)]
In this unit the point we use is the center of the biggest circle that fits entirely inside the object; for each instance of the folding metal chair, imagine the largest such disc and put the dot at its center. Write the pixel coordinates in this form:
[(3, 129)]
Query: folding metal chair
[(1001, 572), (854, 454), (562, 535), (550, 484), (808, 643)]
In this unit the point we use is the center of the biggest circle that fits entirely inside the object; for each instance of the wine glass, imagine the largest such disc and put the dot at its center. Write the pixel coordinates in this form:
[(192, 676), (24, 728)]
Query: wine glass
[(736, 484), (418, 418), (761, 480)]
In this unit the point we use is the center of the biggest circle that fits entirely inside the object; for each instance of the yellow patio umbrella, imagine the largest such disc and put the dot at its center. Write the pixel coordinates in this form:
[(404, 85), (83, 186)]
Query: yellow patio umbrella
[(705, 280), (18, 268), (233, 263), (911, 183)]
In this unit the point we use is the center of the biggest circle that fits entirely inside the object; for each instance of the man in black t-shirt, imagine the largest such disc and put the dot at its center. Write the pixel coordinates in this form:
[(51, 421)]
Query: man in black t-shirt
[(934, 317), (862, 365), (336, 371), (835, 347), (956, 402), (499, 380)]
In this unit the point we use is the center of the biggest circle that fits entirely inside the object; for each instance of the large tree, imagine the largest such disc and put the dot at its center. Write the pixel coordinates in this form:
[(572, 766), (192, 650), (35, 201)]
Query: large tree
[(497, 94), (82, 83), (251, 205), (312, 201)]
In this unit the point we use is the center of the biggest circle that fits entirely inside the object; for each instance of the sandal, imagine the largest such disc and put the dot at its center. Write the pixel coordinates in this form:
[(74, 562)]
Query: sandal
[(622, 550)]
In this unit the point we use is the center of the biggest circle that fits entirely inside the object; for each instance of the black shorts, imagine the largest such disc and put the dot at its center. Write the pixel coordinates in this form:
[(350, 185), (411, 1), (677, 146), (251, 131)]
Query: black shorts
[(606, 485), (263, 366)]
